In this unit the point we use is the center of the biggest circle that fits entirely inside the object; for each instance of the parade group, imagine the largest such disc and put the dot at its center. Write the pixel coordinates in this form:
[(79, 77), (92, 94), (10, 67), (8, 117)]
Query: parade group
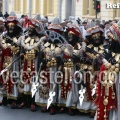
[(91, 49)]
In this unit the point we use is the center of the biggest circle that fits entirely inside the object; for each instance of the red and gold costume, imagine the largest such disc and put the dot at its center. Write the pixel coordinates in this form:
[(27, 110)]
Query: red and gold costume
[(31, 45), (94, 48), (107, 92), (10, 44)]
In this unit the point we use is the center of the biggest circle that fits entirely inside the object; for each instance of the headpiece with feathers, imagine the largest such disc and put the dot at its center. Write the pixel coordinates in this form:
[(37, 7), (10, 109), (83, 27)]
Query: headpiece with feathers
[(114, 32), (55, 25), (38, 25), (37, 17)]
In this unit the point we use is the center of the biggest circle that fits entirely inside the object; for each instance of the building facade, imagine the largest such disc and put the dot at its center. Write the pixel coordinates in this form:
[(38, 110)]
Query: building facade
[(61, 8), (0, 5)]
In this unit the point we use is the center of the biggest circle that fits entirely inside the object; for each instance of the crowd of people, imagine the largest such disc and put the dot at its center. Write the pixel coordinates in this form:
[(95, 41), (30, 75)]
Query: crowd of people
[(62, 67)]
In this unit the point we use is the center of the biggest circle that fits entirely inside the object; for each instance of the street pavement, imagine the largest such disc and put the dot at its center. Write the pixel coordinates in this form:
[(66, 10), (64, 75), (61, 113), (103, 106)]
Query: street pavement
[(6, 113)]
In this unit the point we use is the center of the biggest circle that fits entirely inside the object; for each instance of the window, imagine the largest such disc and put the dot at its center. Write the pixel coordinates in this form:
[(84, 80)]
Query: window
[(85, 7)]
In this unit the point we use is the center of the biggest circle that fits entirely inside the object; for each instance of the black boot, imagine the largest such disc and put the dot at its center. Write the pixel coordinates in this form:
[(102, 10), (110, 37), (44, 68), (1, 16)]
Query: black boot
[(92, 114), (14, 104), (33, 108), (52, 110), (22, 102), (44, 110), (4, 101), (62, 110), (33, 105), (71, 112), (1, 103)]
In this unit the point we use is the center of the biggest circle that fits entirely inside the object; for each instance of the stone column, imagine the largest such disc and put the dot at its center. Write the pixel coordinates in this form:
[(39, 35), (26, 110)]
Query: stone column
[(11, 4), (73, 7), (85, 7), (22, 6), (33, 6), (63, 15), (107, 14), (38, 7), (60, 9), (91, 10), (79, 11), (29, 7), (117, 11), (42, 7), (5, 6), (56, 8), (45, 2)]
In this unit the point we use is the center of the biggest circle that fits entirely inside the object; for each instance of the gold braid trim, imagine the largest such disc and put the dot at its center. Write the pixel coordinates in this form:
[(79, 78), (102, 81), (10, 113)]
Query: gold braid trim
[(11, 97), (87, 111), (27, 93)]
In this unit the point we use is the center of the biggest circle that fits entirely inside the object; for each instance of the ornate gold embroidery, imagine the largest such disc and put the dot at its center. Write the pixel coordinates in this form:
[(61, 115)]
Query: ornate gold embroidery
[(44, 91), (7, 61), (14, 49)]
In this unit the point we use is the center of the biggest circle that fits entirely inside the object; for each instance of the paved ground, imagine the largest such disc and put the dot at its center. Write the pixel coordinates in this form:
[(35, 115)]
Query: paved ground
[(6, 113)]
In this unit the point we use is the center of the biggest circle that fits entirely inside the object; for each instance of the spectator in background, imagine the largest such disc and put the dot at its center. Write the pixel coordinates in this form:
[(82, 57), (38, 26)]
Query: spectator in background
[(102, 26), (114, 21), (110, 21), (86, 20), (6, 15), (85, 24), (44, 22), (93, 20), (97, 22), (38, 17), (46, 18), (1, 15), (103, 22), (22, 16), (107, 26), (78, 21), (22, 20)]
